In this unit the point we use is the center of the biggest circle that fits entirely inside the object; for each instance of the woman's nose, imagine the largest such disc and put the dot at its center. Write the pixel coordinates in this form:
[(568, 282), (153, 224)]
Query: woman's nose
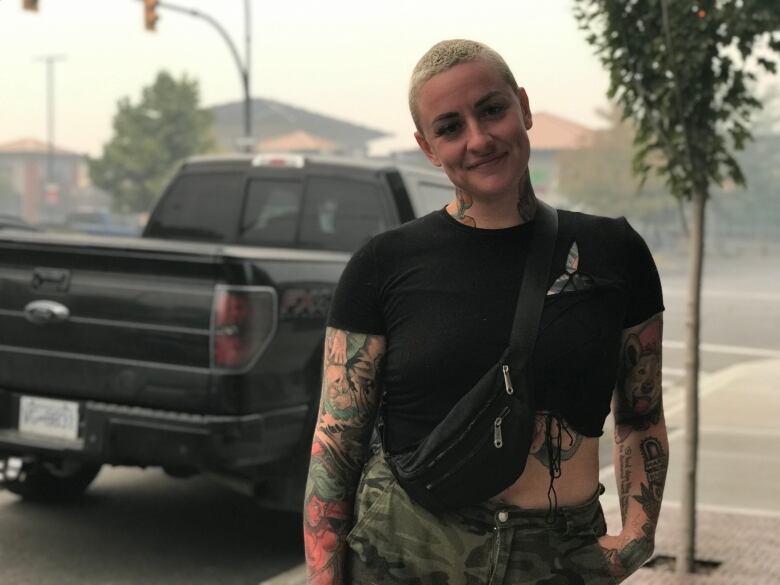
[(479, 140)]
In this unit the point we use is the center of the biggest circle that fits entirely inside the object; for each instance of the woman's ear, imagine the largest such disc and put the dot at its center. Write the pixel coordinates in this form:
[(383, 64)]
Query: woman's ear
[(426, 148), (528, 119)]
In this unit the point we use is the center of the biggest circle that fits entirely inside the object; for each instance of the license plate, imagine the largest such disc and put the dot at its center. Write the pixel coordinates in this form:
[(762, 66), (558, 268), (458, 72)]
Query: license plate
[(51, 418)]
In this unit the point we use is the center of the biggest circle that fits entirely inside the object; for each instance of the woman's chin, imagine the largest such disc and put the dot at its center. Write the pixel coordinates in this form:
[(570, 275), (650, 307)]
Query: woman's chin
[(493, 189)]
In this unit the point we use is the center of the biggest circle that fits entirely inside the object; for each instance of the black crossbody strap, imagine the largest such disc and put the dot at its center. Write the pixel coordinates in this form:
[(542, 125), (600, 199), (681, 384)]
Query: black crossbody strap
[(533, 288)]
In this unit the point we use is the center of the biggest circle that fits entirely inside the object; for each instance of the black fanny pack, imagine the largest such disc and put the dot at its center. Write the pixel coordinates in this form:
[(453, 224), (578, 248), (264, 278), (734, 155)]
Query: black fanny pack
[(480, 448)]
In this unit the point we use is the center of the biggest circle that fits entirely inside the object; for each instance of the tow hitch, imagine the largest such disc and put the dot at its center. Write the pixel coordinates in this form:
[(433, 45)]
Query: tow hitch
[(10, 469)]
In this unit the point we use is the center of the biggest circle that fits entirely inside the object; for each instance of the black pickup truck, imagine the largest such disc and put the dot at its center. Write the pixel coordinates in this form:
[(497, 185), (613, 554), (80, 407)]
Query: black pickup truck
[(196, 347)]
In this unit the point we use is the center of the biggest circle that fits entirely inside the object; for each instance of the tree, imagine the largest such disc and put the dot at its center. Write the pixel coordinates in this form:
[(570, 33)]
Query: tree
[(681, 70), (598, 178), (149, 138)]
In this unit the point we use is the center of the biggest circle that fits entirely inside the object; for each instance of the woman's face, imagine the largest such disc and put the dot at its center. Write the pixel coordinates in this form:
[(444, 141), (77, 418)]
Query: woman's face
[(473, 125)]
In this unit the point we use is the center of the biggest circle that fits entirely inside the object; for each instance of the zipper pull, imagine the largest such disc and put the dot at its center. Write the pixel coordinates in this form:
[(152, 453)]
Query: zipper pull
[(498, 440), (507, 380)]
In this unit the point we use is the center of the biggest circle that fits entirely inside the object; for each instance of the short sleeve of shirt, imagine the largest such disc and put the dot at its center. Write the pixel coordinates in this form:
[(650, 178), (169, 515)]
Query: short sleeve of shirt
[(645, 297), (355, 305)]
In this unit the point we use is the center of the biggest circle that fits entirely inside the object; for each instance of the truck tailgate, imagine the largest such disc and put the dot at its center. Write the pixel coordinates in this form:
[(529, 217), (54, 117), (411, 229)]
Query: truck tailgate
[(108, 321)]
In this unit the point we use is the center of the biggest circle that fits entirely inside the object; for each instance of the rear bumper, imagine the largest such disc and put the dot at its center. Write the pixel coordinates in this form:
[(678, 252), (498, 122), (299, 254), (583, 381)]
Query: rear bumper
[(126, 435)]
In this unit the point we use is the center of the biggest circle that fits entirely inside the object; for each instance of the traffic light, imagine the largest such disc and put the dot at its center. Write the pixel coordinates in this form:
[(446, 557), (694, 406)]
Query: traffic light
[(31, 5), (150, 14)]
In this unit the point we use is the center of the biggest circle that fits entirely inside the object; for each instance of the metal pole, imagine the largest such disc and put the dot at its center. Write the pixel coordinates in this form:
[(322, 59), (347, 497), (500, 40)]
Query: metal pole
[(243, 68), (50, 61), (50, 120), (247, 76)]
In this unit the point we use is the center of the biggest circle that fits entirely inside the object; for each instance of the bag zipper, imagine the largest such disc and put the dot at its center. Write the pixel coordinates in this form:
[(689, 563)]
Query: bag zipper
[(509, 389), (507, 380), (465, 459), (498, 440)]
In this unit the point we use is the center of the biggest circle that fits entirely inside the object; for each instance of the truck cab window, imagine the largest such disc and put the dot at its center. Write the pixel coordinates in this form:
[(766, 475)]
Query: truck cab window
[(202, 207), (271, 213), (340, 214)]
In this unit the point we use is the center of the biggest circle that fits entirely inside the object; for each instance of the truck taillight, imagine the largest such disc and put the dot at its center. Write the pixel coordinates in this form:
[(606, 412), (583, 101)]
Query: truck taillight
[(243, 321)]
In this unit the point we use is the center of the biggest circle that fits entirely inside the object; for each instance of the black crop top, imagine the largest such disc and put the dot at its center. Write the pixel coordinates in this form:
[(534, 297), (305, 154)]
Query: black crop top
[(444, 294)]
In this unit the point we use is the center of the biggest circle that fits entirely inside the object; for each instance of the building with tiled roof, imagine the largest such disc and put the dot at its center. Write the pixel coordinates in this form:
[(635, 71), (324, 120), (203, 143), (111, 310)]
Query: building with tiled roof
[(274, 120), (551, 132), (550, 136), (298, 141), (33, 146), (37, 183)]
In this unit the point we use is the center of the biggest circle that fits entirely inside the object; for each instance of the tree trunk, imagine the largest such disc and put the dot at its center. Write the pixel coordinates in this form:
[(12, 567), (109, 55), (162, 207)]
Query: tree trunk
[(687, 555), (683, 222)]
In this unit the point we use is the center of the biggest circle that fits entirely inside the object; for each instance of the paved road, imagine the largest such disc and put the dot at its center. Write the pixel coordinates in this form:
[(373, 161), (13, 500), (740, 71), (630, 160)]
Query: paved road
[(140, 527)]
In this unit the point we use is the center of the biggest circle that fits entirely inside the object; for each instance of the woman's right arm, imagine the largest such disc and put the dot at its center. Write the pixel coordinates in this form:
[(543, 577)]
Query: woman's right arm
[(348, 408)]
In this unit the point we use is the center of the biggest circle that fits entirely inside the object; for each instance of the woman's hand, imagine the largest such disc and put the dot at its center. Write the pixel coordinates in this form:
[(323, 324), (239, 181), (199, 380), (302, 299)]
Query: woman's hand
[(625, 553)]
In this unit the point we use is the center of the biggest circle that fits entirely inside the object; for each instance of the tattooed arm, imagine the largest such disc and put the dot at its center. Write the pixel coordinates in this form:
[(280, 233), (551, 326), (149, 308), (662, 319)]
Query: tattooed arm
[(348, 407), (641, 451)]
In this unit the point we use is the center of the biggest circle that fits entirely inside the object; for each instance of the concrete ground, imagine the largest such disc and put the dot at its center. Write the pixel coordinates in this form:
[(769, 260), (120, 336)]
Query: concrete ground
[(738, 517), (738, 514)]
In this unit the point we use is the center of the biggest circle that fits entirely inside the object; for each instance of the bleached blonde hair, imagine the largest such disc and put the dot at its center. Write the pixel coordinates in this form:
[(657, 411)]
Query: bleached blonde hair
[(445, 55)]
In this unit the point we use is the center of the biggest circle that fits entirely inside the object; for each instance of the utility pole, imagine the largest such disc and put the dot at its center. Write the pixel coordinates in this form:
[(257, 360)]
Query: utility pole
[(243, 66), (51, 61), (245, 75)]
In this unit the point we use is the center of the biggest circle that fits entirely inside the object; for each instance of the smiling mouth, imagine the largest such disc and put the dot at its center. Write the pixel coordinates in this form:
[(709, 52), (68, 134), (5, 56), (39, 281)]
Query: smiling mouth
[(486, 163)]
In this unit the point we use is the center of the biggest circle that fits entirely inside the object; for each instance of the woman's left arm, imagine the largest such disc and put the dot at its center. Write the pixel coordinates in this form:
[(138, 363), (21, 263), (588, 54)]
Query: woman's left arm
[(641, 449)]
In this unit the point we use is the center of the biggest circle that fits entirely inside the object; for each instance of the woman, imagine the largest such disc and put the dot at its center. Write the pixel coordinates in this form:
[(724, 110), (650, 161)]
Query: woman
[(422, 311)]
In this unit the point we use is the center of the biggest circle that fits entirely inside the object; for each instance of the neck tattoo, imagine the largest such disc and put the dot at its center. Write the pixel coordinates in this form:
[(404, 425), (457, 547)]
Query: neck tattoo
[(464, 202)]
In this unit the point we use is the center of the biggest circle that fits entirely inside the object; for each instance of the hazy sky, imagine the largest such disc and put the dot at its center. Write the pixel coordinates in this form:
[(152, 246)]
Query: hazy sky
[(343, 58), (346, 59)]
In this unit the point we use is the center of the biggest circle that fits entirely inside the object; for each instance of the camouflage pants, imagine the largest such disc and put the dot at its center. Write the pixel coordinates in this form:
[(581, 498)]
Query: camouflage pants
[(396, 542)]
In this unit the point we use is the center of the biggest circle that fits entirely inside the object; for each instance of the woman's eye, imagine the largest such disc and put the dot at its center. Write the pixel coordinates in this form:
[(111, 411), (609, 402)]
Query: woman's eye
[(447, 129), (493, 110)]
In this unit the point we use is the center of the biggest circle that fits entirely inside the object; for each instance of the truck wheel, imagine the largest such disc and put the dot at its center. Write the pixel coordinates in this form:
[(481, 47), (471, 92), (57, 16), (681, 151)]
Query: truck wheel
[(53, 482)]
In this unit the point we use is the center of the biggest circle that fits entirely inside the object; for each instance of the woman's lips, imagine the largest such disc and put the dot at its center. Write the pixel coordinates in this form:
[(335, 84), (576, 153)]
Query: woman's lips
[(487, 163)]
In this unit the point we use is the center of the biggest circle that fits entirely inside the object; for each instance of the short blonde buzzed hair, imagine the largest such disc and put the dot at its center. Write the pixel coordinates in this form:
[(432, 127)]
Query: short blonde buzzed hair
[(445, 55)]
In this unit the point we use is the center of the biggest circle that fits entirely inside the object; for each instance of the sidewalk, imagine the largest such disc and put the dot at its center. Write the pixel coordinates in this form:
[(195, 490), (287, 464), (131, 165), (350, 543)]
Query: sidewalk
[(738, 517), (746, 546)]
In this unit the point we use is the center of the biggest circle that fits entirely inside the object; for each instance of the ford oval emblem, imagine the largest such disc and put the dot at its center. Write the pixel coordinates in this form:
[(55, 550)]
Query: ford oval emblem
[(42, 312)]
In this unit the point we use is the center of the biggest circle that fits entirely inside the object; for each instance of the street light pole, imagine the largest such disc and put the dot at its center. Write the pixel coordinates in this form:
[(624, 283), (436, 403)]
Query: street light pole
[(247, 73), (243, 67), (51, 61)]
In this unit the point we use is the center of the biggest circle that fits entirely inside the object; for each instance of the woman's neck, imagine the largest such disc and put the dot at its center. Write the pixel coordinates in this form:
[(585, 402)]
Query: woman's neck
[(497, 213)]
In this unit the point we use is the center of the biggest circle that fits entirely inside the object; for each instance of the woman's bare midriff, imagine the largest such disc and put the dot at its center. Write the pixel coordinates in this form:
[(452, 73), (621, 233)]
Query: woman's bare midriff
[(579, 471)]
